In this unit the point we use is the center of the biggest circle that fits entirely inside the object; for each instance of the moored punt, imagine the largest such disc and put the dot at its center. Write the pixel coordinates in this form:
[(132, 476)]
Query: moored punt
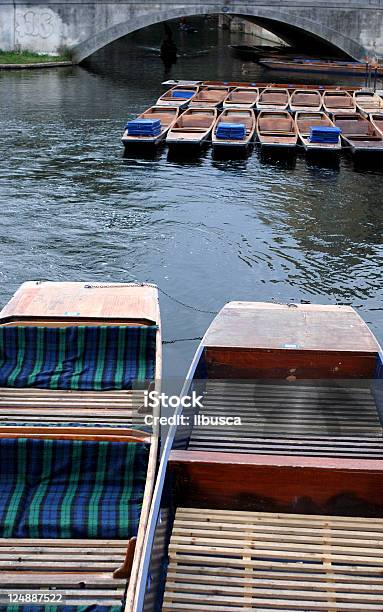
[(180, 96), (278, 511), (272, 98), (72, 388), (276, 129), (368, 102), (377, 121), (241, 97), (319, 66), (234, 128), (150, 127), (324, 140), (209, 97), (359, 133), (263, 85), (303, 100), (192, 128), (338, 102)]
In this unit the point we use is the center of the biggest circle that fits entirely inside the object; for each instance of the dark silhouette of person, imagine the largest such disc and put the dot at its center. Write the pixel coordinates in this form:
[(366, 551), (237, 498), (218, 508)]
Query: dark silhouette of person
[(168, 51)]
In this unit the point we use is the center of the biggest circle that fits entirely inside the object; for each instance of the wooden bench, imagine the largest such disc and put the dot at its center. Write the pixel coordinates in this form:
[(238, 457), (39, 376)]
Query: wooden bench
[(90, 571)]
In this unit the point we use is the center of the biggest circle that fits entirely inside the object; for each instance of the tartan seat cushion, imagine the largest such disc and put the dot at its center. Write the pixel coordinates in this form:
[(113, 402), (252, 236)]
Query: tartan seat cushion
[(98, 358), (71, 488)]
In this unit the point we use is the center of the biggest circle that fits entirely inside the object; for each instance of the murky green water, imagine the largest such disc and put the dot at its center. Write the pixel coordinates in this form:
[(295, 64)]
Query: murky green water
[(206, 231)]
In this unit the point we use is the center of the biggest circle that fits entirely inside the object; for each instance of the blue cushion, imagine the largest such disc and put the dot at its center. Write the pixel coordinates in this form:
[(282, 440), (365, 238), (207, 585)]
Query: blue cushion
[(71, 488), (182, 93), (98, 358), (231, 131), (323, 134)]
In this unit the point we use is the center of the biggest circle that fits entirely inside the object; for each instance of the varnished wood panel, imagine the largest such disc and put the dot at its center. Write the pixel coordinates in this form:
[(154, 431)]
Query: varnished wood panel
[(282, 363), (279, 483), (298, 326), (83, 300)]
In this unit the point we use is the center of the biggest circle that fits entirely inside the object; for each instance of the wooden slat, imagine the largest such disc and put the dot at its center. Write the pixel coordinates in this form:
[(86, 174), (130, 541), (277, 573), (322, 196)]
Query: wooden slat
[(291, 420), (224, 561), (81, 569), (45, 406)]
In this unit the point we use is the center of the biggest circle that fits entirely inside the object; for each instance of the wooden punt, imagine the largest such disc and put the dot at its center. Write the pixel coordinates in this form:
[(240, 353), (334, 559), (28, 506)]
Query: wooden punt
[(317, 66), (359, 133), (303, 100), (285, 511), (377, 121), (91, 571), (192, 128), (237, 116), (209, 97), (263, 85), (241, 97), (276, 129), (338, 102), (179, 96), (273, 98), (306, 120), (167, 116), (368, 102)]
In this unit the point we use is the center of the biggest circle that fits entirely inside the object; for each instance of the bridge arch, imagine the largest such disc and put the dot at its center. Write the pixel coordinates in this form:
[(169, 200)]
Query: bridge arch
[(144, 17)]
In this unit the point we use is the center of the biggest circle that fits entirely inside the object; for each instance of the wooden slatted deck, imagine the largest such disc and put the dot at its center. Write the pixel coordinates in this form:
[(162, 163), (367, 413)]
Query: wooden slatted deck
[(229, 561), (41, 406), (286, 420), (80, 569)]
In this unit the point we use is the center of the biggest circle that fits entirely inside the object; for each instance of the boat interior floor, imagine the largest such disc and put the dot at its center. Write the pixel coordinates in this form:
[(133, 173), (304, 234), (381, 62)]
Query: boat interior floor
[(31, 406), (81, 569), (225, 560), (309, 420)]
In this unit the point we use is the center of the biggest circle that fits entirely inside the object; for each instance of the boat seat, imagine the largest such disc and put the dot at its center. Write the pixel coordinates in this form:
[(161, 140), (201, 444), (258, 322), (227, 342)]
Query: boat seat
[(70, 507), (87, 358), (64, 375), (305, 100), (273, 99), (241, 96), (247, 561), (339, 102), (275, 125)]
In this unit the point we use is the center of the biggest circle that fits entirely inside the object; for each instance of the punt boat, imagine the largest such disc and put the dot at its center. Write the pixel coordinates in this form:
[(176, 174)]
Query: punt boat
[(324, 140), (192, 128), (377, 121), (241, 97), (276, 129), (234, 128), (283, 511), (209, 97), (180, 95), (368, 102), (76, 359), (273, 98), (303, 100), (359, 133), (338, 102), (151, 127), (262, 85), (319, 66)]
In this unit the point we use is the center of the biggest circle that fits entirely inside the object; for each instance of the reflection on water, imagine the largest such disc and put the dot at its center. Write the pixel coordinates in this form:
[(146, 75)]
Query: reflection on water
[(206, 230)]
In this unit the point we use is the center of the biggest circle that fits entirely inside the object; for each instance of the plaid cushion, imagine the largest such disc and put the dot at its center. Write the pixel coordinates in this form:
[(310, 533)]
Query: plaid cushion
[(71, 488), (86, 358)]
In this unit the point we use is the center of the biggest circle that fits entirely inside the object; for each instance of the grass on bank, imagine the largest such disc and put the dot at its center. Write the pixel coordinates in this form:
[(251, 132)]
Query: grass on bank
[(28, 57)]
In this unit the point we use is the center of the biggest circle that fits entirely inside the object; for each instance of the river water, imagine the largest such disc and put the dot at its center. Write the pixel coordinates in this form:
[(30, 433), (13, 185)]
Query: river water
[(206, 231)]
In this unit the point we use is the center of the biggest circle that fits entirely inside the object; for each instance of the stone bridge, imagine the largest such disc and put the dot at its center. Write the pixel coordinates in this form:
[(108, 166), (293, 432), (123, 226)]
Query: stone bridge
[(84, 26)]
